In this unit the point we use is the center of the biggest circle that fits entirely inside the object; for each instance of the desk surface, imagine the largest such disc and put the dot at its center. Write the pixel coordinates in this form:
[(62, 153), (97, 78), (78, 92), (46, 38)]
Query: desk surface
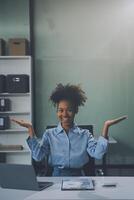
[(123, 190)]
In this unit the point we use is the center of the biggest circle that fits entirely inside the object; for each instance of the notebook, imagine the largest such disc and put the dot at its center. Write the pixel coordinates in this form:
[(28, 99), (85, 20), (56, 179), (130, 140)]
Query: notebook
[(77, 184), (19, 176)]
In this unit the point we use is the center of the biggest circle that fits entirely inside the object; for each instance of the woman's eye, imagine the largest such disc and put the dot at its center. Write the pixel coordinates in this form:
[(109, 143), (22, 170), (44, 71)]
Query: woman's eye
[(59, 110), (70, 110)]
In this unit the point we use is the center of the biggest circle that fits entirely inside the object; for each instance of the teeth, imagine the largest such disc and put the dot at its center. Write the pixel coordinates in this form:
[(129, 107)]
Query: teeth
[(65, 119)]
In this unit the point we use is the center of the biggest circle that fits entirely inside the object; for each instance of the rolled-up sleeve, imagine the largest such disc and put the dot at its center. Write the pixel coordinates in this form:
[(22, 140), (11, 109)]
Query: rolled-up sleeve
[(39, 148), (97, 148)]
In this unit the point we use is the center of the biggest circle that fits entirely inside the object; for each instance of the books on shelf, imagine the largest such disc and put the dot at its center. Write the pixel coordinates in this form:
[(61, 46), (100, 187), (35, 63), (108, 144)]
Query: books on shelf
[(77, 184)]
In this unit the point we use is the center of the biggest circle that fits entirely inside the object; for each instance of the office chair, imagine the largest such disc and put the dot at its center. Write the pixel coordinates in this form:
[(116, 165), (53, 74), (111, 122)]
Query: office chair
[(43, 169), (40, 167)]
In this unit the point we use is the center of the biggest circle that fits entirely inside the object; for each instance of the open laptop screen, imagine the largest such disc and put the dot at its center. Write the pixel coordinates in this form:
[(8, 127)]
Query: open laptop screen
[(18, 176)]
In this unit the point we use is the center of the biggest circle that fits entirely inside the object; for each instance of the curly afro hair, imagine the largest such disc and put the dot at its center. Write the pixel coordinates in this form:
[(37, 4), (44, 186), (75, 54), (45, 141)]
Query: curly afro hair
[(72, 93)]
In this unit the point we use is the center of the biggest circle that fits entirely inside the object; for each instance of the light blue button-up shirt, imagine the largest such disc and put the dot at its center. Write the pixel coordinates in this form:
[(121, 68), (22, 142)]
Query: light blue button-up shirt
[(67, 150)]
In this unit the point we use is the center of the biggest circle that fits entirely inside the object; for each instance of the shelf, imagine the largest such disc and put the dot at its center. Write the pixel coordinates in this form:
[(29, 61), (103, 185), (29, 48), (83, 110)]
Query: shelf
[(14, 113), (14, 131), (15, 151), (14, 57), (14, 94), (21, 106)]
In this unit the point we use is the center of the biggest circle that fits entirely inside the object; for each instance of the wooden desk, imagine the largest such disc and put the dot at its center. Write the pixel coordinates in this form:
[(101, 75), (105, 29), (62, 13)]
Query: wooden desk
[(124, 190)]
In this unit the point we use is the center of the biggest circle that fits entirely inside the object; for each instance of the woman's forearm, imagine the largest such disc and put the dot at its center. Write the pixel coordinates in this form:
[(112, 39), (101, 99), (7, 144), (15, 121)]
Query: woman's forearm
[(31, 131), (105, 130)]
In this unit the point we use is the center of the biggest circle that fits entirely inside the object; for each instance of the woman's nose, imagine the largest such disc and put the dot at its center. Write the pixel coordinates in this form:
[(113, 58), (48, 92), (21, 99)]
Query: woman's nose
[(65, 113)]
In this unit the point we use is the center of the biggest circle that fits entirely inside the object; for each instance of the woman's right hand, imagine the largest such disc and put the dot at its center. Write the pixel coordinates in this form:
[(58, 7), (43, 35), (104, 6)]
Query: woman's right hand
[(22, 123), (25, 124)]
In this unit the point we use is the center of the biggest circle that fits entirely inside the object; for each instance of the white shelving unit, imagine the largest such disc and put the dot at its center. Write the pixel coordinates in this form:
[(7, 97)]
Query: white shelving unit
[(21, 108)]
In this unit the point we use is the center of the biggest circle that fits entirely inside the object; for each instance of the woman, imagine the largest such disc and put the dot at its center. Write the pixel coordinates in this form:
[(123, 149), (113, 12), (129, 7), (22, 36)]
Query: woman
[(67, 146)]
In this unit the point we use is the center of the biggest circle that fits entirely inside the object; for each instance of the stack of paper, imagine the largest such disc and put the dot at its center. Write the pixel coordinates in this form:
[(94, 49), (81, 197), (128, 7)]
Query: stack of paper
[(77, 184)]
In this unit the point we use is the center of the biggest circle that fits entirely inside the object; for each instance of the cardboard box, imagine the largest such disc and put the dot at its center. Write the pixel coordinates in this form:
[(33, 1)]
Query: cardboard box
[(18, 47), (2, 47)]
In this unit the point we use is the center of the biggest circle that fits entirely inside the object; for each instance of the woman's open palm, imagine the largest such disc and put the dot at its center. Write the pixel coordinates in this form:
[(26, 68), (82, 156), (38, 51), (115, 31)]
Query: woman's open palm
[(22, 123), (115, 121)]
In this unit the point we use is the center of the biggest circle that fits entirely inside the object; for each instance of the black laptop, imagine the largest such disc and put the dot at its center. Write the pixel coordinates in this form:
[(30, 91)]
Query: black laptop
[(19, 176)]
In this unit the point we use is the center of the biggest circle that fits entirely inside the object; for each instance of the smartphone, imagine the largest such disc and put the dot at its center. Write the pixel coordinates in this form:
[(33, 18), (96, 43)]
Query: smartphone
[(109, 185)]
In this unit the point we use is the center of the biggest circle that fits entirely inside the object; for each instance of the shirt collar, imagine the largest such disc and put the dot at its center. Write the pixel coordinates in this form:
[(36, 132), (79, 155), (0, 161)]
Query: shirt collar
[(59, 128), (74, 129)]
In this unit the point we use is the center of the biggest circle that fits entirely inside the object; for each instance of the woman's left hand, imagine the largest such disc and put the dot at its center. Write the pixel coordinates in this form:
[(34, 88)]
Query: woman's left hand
[(109, 123), (115, 121)]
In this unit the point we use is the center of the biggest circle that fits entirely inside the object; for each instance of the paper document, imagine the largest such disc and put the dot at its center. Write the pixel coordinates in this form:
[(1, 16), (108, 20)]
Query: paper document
[(77, 184)]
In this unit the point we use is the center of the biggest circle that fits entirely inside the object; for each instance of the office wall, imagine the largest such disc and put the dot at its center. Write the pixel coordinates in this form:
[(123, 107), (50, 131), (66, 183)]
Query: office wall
[(91, 43), (14, 19), (86, 42)]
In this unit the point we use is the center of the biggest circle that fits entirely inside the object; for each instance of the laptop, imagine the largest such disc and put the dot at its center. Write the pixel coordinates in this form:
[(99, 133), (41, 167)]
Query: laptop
[(19, 176)]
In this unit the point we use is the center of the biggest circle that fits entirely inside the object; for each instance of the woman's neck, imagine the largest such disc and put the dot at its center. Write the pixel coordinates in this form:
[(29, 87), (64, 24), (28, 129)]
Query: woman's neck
[(67, 127)]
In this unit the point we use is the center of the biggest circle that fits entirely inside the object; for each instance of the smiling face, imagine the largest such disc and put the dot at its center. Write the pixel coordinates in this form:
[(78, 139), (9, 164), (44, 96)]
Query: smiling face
[(66, 113)]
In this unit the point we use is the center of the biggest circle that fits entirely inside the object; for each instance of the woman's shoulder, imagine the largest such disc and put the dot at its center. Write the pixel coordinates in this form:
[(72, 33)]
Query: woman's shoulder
[(51, 130), (83, 130)]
